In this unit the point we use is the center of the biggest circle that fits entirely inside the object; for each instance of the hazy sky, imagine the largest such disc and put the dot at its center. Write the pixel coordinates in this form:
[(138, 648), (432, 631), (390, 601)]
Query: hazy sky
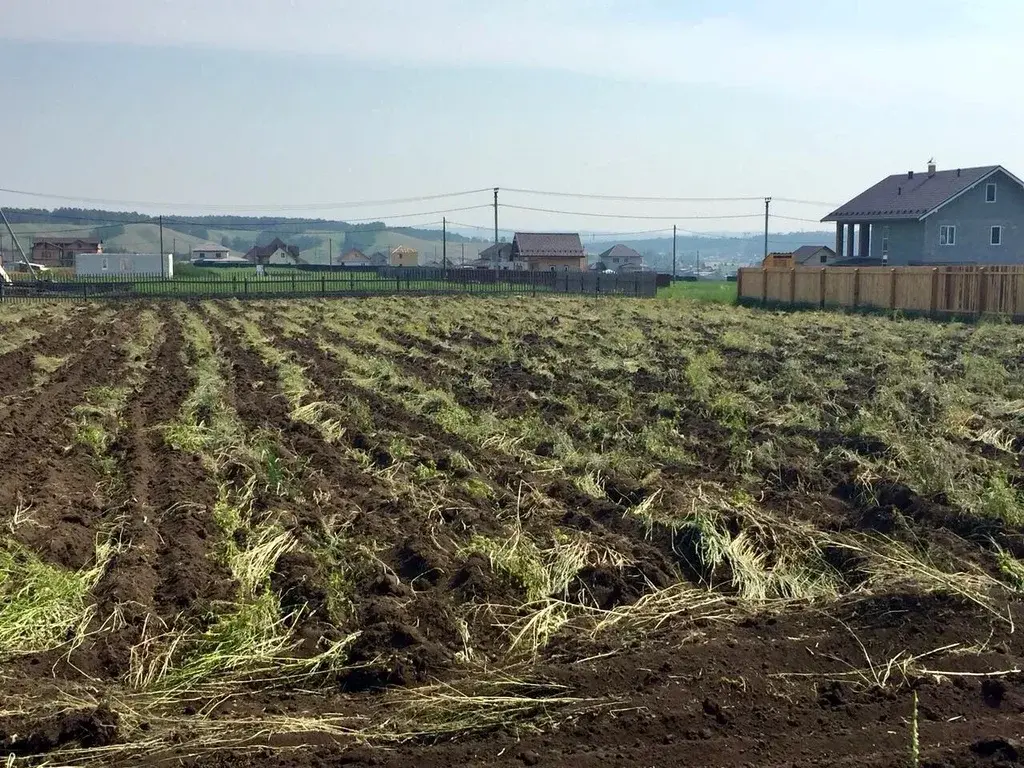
[(262, 105)]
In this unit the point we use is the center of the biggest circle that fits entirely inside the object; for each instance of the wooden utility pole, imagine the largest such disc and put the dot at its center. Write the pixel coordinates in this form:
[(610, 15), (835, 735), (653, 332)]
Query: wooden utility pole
[(330, 251), (163, 266), (767, 208), (495, 215), (444, 243)]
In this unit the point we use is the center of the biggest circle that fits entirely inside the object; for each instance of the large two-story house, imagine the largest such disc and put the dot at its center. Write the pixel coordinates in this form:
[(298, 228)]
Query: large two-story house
[(959, 216)]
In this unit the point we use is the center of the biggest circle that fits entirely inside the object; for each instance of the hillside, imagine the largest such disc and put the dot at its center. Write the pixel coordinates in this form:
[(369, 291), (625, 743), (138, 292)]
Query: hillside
[(316, 238)]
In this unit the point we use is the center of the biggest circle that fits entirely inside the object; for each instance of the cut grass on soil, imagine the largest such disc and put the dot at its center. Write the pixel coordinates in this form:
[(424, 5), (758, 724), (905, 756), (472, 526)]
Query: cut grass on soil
[(427, 492)]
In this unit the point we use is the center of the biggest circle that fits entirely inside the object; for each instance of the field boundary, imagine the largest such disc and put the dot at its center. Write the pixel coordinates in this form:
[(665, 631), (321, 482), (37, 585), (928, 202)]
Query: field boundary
[(958, 291), (384, 282)]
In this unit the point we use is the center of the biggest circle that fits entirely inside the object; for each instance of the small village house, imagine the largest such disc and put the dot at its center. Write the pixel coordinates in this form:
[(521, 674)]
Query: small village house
[(61, 251), (404, 256), (210, 252), (100, 264), (558, 251), (957, 216), (804, 256), (497, 256), (275, 252), (354, 257), (620, 258)]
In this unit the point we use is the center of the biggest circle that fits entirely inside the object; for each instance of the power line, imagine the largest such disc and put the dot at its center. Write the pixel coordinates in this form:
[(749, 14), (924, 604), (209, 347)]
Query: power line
[(631, 216), (796, 218), (44, 233), (806, 202), (290, 207), (633, 197), (587, 234)]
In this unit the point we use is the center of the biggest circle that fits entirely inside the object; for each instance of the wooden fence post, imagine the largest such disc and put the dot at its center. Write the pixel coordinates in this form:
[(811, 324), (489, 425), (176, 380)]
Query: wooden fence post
[(323, 285), (821, 288), (934, 303), (856, 287), (892, 289), (982, 290), (739, 283), (764, 285)]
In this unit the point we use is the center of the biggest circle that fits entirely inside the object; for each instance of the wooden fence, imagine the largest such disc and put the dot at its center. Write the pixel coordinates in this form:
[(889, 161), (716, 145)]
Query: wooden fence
[(938, 291)]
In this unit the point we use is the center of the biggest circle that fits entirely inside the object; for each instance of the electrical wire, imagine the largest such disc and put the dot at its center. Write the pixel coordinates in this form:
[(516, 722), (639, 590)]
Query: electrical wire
[(795, 218), (805, 202), (629, 216), (587, 234), (633, 198), (239, 207)]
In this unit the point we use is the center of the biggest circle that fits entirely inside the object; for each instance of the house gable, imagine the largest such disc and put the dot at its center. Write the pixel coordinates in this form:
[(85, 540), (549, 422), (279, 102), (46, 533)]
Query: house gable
[(973, 218)]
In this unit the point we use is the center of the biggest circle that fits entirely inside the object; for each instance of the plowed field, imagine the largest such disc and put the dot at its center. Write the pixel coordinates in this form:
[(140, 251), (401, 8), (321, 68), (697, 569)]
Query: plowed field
[(458, 531)]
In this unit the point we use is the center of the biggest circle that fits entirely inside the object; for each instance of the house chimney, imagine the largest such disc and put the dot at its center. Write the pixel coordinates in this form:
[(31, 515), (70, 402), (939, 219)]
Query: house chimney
[(910, 174), (899, 191), (958, 173), (931, 167)]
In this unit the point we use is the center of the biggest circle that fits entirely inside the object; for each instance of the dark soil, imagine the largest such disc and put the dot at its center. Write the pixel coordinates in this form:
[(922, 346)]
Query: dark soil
[(789, 687)]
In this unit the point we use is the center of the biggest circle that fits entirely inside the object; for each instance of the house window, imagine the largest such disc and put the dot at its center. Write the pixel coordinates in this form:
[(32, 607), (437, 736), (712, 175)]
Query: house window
[(947, 234), (885, 241), (990, 193), (996, 236)]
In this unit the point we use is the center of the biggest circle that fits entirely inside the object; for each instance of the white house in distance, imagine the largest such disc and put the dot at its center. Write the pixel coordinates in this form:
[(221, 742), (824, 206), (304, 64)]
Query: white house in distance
[(98, 264), (210, 252)]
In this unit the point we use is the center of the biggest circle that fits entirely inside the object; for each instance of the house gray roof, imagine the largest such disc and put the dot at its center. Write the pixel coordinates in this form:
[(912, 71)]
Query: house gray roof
[(499, 252), (557, 245), (263, 251), (912, 195), (621, 251), (805, 252), (64, 241), (210, 247)]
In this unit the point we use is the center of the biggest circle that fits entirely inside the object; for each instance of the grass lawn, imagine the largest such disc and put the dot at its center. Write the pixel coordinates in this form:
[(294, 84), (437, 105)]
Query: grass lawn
[(702, 290)]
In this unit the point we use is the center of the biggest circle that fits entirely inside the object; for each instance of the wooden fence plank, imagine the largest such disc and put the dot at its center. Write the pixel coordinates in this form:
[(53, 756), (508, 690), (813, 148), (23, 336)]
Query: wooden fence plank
[(958, 290)]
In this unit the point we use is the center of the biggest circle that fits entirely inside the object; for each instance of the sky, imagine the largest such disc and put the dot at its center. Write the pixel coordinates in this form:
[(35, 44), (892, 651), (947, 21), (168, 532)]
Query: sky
[(308, 107)]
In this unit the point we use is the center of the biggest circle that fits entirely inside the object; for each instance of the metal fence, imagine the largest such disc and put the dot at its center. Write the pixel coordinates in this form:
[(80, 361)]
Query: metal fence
[(303, 284)]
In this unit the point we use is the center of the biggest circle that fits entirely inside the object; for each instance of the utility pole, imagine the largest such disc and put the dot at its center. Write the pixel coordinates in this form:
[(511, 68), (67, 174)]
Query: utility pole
[(14, 239), (163, 266), (767, 208), (698, 263), (463, 254), (495, 215), (174, 246), (444, 243), (330, 251), (673, 251)]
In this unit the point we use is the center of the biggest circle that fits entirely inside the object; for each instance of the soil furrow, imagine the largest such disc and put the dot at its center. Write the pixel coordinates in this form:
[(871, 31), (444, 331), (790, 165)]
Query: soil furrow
[(51, 478), (167, 567)]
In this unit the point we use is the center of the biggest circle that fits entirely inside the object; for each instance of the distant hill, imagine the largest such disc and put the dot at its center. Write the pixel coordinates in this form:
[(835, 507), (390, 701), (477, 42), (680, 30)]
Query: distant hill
[(317, 238)]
